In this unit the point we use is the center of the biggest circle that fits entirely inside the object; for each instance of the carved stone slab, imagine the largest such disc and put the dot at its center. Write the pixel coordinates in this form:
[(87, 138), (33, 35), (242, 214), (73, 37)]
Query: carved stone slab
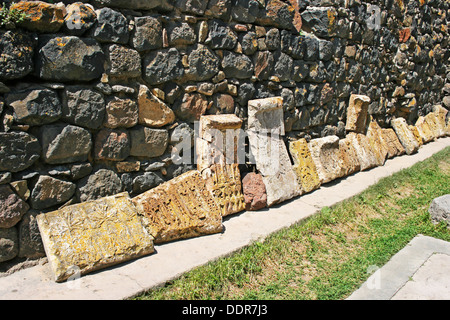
[(405, 135), (424, 126), (92, 235), (218, 141), (266, 115), (376, 142), (349, 158), (325, 154), (180, 208), (224, 183), (366, 156), (394, 147), (272, 161), (357, 111), (304, 166)]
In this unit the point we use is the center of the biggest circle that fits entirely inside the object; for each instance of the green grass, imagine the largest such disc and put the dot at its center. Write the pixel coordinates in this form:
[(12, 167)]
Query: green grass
[(328, 255)]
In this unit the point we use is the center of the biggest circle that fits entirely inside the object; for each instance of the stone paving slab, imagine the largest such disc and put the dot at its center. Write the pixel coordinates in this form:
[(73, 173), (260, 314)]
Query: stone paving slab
[(173, 259)]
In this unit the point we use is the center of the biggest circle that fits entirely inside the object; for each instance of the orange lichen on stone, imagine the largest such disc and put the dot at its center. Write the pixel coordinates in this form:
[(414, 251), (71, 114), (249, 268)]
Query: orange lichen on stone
[(41, 16)]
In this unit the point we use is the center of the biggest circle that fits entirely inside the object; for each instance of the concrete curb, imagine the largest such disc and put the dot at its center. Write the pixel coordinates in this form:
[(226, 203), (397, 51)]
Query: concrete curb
[(389, 281), (175, 258)]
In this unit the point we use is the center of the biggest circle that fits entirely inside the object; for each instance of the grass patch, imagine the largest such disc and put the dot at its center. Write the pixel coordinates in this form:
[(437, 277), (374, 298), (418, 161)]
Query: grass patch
[(328, 255)]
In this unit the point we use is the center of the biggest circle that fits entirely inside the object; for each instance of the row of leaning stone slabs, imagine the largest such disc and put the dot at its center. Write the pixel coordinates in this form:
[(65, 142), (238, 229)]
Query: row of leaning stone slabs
[(92, 235)]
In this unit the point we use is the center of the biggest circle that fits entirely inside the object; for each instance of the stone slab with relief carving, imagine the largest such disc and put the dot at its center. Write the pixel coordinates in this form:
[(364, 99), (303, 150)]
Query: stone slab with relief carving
[(405, 135), (93, 235), (357, 112), (325, 154), (364, 152), (304, 166), (394, 147), (180, 208)]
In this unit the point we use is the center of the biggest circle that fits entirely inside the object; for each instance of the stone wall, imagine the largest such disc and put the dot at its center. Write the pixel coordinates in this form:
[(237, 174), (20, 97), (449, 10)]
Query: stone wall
[(95, 95)]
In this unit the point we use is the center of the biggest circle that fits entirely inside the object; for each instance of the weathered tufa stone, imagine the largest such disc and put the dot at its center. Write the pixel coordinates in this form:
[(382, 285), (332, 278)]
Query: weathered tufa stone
[(41, 16), (83, 106), (121, 113), (50, 191), (349, 161), (152, 111), (425, 127), (376, 142), (325, 154), (36, 106), (191, 107), (357, 113), (101, 183), (147, 142), (394, 147), (218, 141), (64, 143), (304, 166), (254, 191), (9, 244), (16, 54), (112, 144), (93, 235), (441, 116), (180, 208), (440, 210), (405, 135), (266, 115), (18, 151), (69, 58), (12, 208), (224, 183), (366, 156)]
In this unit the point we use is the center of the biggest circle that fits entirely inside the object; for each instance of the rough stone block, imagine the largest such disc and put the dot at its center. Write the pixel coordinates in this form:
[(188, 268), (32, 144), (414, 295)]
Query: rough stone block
[(357, 112), (254, 190), (93, 235), (394, 147), (425, 128), (18, 151), (180, 208), (12, 208), (152, 111), (441, 114), (41, 16), (440, 209), (366, 156), (50, 191), (416, 134), (405, 135), (304, 166), (325, 154), (224, 183)]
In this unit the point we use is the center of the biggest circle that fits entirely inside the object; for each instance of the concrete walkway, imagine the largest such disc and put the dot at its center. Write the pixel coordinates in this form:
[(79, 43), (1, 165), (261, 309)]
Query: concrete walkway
[(175, 258)]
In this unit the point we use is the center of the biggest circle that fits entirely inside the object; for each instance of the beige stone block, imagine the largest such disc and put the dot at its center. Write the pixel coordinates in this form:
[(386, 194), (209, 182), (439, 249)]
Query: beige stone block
[(349, 161), (441, 114), (405, 135), (224, 183), (325, 154), (357, 113), (92, 235), (152, 111), (180, 208), (416, 134), (394, 147), (266, 115), (304, 166), (273, 162), (219, 140), (424, 127), (376, 142), (366, 156)]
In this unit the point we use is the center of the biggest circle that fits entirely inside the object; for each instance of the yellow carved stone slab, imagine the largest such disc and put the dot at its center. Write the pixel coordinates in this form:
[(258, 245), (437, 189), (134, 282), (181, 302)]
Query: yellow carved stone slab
[(394, 147), (325, 154), (180, 208), (224, 183), (92, 235), (364, 152), (349, 158), (405, 135), (441, 114), (425, 125), (416, 134), (304, 166), (357, 113), (376, 142)]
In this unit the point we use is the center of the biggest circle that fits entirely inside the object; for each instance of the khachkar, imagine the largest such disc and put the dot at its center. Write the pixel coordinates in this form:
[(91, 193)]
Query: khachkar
[(180, 208), (93, 235), (220, 150), (269, 152)]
